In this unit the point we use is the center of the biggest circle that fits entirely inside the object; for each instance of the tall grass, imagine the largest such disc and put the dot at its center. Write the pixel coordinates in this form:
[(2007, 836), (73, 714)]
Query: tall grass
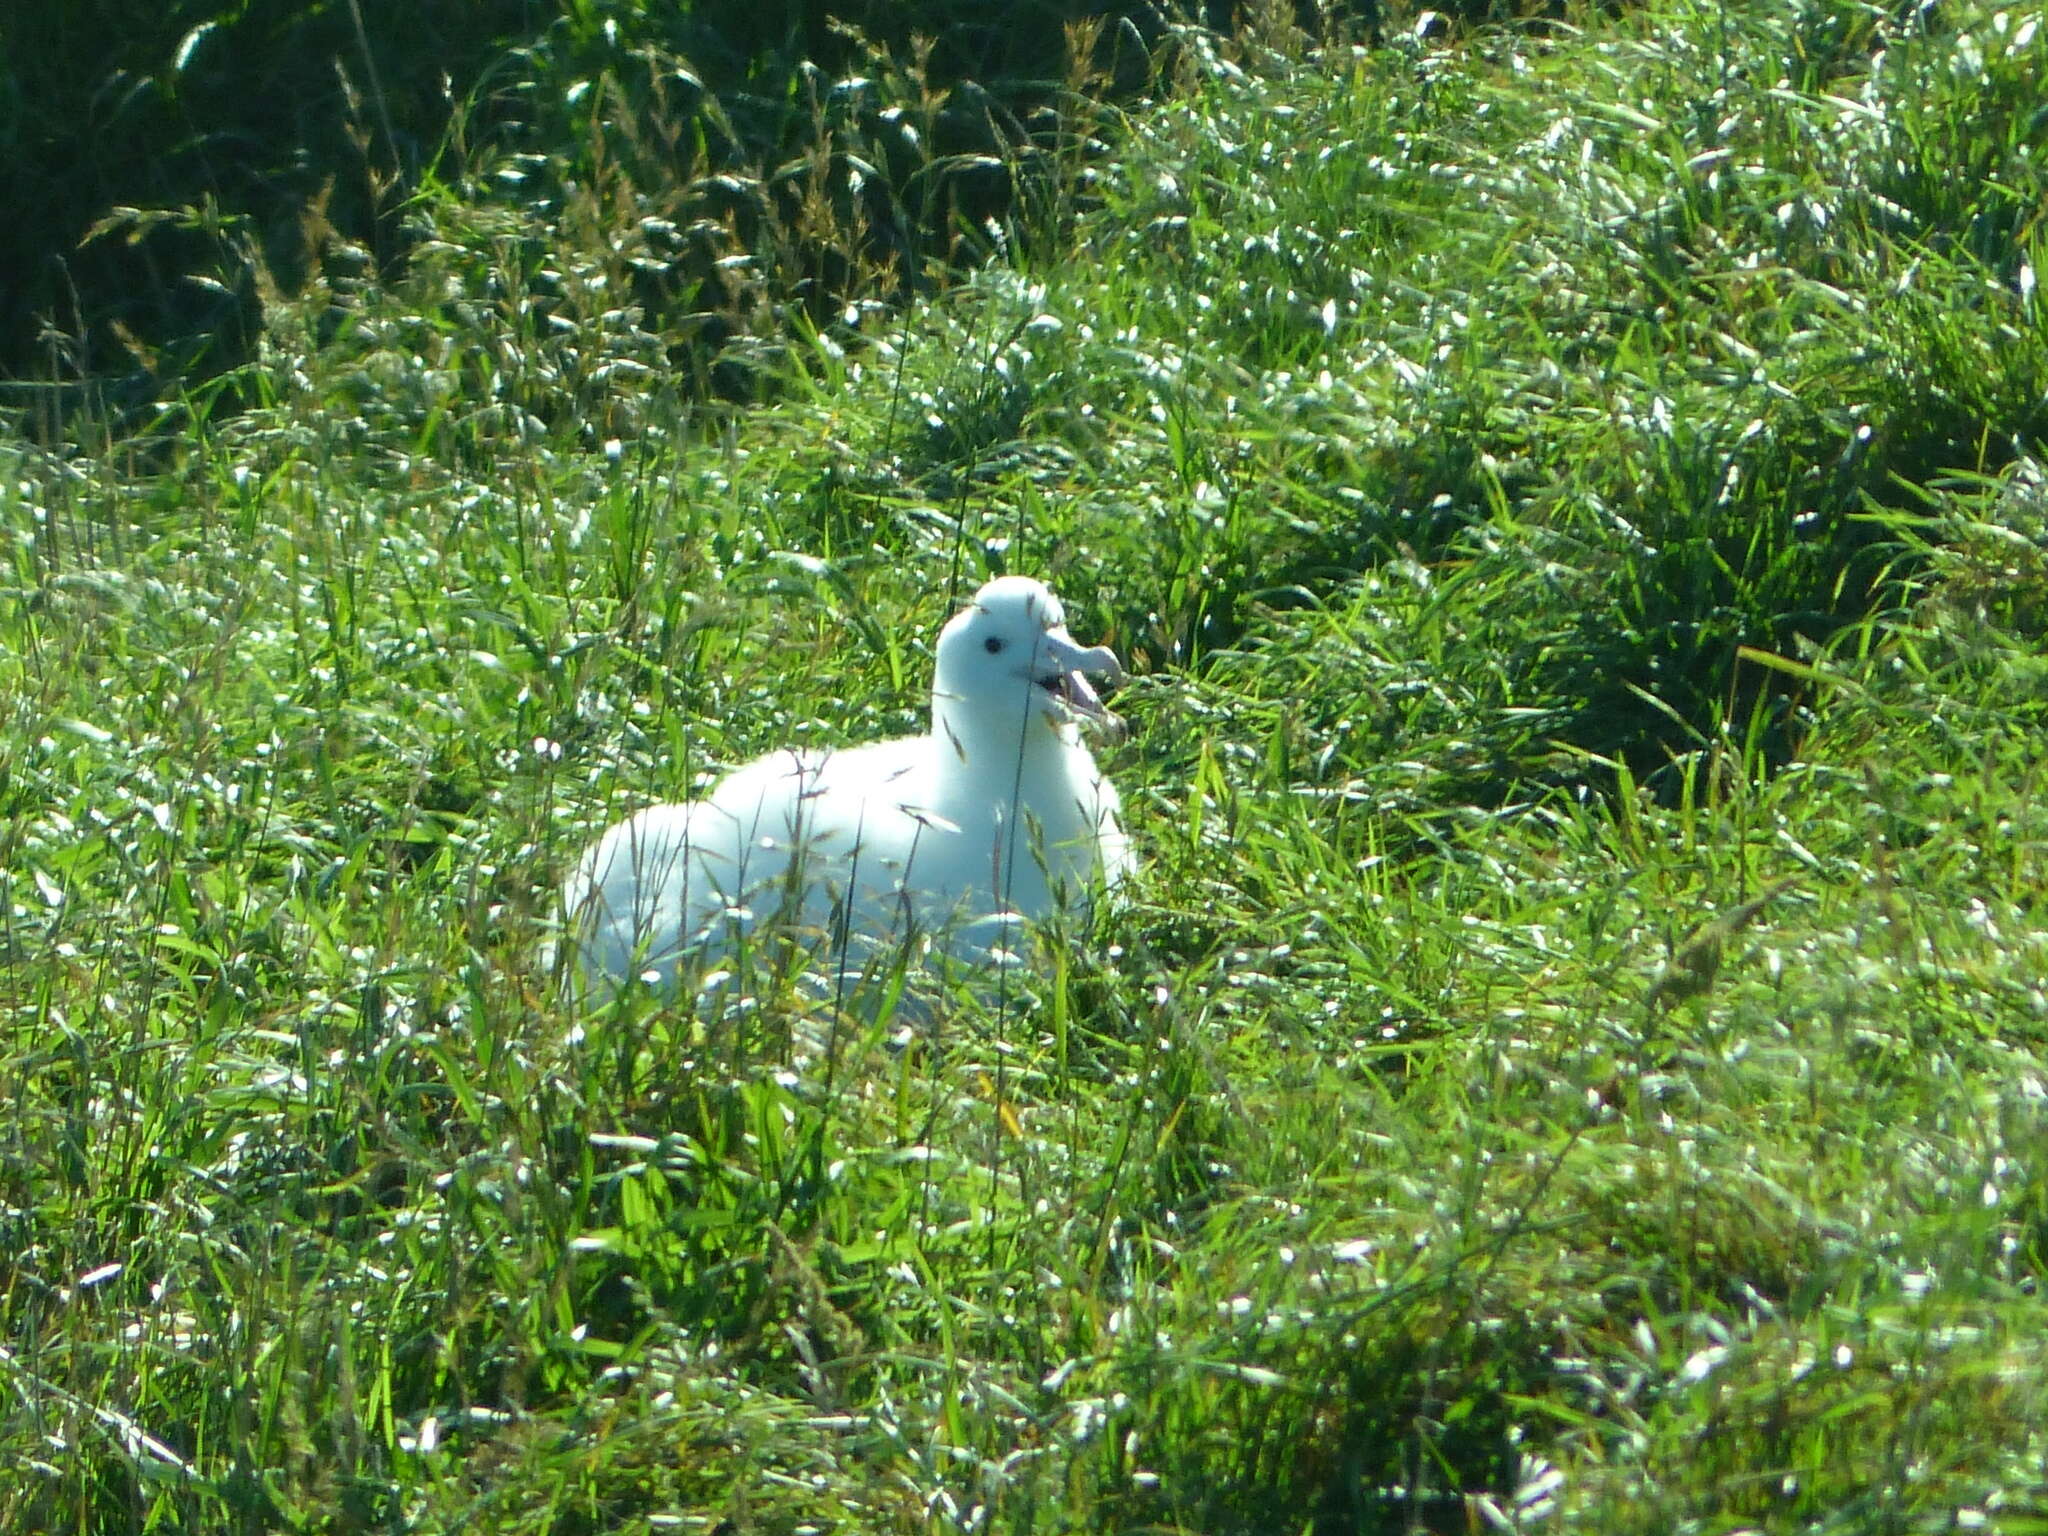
[(179, 169), (1573, 1058)]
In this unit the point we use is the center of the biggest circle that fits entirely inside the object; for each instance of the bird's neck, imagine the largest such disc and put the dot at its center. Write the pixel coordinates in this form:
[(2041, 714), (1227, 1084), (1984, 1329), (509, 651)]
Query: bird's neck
[(988, 747)]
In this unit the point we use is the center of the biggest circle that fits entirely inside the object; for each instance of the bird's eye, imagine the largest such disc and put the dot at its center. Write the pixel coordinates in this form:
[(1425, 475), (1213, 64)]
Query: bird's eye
[(992, 644)]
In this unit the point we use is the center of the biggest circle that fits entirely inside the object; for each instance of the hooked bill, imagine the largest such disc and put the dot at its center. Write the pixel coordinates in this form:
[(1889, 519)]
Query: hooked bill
[(1070, 686)]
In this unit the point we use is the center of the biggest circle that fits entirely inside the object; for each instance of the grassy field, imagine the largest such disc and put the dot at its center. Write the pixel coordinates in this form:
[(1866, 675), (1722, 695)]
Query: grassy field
[(1575, 1057)]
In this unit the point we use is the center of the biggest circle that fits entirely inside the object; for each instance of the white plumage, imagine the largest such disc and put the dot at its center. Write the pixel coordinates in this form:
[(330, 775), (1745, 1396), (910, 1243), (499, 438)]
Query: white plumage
[(999, 813)]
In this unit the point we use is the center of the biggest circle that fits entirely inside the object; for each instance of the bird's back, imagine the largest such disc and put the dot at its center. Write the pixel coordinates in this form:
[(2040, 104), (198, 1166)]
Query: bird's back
[(863, 848)]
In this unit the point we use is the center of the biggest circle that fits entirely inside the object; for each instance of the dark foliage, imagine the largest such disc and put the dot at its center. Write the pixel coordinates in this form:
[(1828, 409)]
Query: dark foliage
[(166, 162)]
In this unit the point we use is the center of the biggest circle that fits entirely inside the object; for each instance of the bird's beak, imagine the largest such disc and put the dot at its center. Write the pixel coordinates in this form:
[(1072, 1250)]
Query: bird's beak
[(1062, 668)]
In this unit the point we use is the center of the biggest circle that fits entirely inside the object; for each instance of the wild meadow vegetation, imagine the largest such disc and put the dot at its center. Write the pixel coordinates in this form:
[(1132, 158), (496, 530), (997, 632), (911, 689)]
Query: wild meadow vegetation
[(1572, 498)]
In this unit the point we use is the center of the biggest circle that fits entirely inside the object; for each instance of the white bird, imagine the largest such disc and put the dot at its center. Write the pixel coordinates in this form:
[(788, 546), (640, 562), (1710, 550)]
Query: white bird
[(999, 814)]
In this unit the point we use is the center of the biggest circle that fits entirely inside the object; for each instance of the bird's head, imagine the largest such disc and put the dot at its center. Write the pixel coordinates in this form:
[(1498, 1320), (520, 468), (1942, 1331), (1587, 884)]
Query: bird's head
[(1006, 663)]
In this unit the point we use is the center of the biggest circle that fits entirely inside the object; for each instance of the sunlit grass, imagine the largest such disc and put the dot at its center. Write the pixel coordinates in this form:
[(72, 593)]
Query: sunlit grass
[(1573, 1057)]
